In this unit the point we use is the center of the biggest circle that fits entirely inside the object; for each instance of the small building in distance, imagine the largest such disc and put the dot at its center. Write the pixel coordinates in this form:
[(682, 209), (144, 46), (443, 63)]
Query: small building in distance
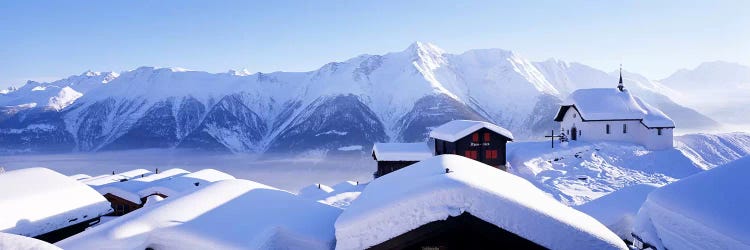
[(614, 114), (394, 156), (481, 141), (44, 204), (128, 195)]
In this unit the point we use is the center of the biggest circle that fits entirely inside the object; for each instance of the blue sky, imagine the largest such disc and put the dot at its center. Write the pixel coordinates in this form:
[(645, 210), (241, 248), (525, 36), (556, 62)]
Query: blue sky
[(47, 40)]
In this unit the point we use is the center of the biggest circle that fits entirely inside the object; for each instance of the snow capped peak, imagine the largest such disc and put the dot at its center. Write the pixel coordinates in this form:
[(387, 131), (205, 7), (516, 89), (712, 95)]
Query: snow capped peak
[(90, 73), (425, 48)]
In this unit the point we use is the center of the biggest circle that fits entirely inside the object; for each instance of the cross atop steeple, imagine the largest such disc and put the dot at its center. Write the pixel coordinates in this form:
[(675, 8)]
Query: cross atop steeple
[(620, 86)]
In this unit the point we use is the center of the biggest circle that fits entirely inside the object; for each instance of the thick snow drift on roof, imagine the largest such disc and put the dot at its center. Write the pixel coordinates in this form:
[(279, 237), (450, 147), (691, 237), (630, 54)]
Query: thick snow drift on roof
[(80, 177), (618, 209), (230, 214), (184, 183), (411, 197), (18, 242), (106, 179), (401, 151), (612, 104), (704, 211), (453, 130), (129, 190), (35, 201)]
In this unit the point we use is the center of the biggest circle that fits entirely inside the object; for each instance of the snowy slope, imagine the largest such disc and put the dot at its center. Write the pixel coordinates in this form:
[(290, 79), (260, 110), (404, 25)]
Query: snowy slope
[(581, 171), (711, 150), (397, 96), (718, 89)]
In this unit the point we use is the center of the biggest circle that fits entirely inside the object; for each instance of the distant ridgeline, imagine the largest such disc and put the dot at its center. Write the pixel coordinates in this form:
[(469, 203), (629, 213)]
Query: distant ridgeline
[(341, 108)]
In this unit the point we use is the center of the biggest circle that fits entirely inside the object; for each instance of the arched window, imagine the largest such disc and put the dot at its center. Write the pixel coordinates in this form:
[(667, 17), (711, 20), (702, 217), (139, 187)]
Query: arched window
[(607, 129), (624, 128)]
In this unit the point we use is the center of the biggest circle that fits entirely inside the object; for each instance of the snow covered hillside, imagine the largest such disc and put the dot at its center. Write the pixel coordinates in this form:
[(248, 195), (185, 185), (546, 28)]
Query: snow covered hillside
[(718, 89), (580, 172), (343, 105)]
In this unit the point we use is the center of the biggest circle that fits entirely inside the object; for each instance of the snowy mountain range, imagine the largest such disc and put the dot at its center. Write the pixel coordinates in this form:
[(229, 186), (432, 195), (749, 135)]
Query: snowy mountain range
[(718, 89), (398, 96)]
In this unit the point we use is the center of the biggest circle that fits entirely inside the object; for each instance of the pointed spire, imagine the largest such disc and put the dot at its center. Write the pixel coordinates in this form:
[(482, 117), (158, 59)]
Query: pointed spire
[(620, 86)]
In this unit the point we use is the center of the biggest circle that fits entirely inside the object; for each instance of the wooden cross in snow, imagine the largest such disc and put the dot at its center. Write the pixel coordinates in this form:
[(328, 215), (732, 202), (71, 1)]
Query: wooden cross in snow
[(552, 137)]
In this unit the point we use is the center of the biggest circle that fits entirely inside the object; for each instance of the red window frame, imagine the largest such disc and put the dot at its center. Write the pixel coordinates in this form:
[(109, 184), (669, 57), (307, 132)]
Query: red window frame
[(471, 154), (475, 137), (490, 154), (486, 137)]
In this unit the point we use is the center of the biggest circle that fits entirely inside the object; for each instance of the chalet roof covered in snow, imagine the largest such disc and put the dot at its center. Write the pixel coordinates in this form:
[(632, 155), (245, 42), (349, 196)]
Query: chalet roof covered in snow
[(604, 104), (129, 190), (401, 151), (106, 179), (707, 210), (35, 201), (184, 183), (230, 214), (457, 129), (169, 183), (422, 193)]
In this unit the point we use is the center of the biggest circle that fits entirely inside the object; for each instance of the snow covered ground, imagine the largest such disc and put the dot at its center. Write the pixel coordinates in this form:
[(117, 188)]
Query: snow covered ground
[(580, 172)]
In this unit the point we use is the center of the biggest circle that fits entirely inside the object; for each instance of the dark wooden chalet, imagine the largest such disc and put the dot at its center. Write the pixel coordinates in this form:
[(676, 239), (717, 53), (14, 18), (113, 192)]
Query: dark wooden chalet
[(461, 232), (395, 156), (481, 141)]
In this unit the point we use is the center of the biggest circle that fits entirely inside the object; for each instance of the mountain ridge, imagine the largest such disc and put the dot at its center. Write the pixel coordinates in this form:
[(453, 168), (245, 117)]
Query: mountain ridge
[(398, 91)]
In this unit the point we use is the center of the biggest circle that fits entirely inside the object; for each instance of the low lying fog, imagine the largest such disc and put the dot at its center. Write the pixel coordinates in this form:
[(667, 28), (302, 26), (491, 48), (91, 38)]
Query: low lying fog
[(281, 171)]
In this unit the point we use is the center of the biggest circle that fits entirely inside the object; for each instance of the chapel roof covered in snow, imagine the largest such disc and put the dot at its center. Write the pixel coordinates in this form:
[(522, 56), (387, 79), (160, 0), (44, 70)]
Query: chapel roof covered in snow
[(35, 201), (707, 210), (230, 214), (606, 104), (457, 129), (401, 151), (406, 199)]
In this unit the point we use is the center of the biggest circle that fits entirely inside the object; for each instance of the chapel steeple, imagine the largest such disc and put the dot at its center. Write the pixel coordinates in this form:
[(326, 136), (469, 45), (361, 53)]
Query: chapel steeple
[(619, 85)]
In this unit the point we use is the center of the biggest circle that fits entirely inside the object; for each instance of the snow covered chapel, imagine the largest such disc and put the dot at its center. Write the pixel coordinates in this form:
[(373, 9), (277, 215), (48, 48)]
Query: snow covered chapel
[(604, 114)]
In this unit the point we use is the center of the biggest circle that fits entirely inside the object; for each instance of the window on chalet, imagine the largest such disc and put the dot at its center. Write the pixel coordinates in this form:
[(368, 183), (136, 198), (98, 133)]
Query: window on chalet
[(658, 131), (475, 137), (490, 154), (624, 128), (471, 154), (486, 137), (607, 129)]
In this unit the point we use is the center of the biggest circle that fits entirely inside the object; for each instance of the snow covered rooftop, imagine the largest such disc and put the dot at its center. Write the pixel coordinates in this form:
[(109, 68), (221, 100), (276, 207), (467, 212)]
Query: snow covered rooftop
[(707, 210), (106, 179), (230, 214), (401, 151), (129, 190), (453, 130), (612, 104), (422, 193), (170, 182), (184, 183), (35, 201), (18, 242)]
